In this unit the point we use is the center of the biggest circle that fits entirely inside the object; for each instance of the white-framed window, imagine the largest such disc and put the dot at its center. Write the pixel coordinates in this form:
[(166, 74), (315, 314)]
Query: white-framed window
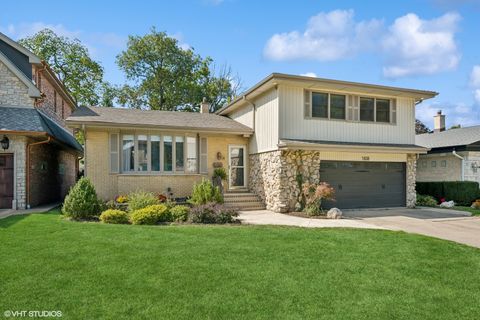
[(374, 109), (328, 105), (443, 163), (156, 153), (434, 163)]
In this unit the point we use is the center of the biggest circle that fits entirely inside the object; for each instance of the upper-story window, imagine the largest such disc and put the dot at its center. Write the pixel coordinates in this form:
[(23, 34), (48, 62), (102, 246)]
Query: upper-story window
[(329, 106), (372, 109)]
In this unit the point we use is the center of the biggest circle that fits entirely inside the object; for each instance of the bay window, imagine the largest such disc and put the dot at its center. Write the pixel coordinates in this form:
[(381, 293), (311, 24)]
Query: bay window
[(155, 153), (142, 153), (128, 153), (167, 153), (179, 154), (191, 154)]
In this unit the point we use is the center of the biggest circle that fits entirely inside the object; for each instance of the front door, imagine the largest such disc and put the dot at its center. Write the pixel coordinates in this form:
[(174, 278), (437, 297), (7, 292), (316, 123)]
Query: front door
[(6, 181), (236, 164)]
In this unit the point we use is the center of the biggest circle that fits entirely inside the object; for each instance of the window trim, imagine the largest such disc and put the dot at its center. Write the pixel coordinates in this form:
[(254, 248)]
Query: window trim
[(329, 117)]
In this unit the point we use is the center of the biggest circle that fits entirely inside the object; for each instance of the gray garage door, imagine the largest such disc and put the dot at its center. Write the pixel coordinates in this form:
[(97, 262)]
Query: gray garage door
[(365, 184)]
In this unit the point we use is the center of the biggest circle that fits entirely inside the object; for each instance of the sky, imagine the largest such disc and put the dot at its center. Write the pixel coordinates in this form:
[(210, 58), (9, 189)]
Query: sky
[(424, 44)]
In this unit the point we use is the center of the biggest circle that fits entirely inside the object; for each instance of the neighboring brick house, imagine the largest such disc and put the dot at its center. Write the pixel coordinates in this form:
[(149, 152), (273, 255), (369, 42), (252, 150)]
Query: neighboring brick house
[(358, 137), (454, 154), (41, 161)]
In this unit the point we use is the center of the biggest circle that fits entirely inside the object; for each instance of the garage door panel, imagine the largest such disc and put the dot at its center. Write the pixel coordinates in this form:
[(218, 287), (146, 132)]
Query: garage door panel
[(365, 184)]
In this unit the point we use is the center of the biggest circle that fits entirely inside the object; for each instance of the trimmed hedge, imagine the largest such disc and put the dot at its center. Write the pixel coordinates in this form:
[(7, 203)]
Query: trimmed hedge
[(461, 192)]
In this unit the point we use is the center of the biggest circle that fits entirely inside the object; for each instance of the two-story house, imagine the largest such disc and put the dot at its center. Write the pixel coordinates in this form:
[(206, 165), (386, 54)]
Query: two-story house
[(284, 131), (38, 155)]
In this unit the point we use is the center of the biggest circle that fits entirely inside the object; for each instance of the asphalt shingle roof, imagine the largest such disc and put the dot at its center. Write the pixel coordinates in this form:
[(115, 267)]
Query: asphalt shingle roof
[(153, 118), (33, 120), (449, 138)]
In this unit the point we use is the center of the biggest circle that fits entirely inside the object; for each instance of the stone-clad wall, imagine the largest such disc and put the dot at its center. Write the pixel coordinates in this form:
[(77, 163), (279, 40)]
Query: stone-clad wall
[(275, 177), (411, 180), (13, 92)]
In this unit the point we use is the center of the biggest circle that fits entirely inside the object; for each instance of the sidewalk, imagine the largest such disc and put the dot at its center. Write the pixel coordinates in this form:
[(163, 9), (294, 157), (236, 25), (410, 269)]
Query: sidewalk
[(43, 208)]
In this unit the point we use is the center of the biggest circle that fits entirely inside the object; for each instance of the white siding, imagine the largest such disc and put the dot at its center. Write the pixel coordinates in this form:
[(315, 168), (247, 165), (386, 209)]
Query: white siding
[(294, 126), (243, 115), (265, 137)]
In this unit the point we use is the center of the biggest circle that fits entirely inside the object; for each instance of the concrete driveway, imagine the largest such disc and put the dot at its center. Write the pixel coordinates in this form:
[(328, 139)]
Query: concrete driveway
[(451, 225)]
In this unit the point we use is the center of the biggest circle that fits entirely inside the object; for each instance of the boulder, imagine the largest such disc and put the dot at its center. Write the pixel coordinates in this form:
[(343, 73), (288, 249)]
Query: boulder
[(334, 213), (447, 204)]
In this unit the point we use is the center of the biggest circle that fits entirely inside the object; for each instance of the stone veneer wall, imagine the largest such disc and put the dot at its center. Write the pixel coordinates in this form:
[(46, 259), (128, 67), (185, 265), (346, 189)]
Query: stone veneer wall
[(411, 180), (13, 92), (273, 177)]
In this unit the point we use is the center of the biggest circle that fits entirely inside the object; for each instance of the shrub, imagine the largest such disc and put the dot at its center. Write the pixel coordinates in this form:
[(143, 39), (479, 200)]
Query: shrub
[(150, 215), (212, 213), (82, 201), (427, 201), (314, 194), (220, 173), (179, 213), (141, 199), (114, 216), (461, 192), (204, 192), (121, 199)]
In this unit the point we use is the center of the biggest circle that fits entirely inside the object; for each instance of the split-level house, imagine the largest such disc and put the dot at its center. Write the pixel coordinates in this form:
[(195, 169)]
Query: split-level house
[(454, 155), (38, 155), (281, 133)]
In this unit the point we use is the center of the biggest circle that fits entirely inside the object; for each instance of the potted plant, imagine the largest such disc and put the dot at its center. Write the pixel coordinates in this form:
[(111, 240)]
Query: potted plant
[(219, 175)]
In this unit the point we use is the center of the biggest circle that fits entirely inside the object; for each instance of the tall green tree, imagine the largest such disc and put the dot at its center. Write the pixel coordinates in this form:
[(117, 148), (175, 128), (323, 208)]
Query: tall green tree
[(164, 76), (71, 62), (421, 127)]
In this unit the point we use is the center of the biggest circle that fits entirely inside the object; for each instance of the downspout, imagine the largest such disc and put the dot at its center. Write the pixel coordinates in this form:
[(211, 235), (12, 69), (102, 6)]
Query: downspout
[(28, 167), (463, 160)]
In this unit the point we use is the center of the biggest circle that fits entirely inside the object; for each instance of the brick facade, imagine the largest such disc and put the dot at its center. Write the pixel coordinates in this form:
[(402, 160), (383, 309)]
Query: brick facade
[(53, 103), (53, 169), (108, 185)]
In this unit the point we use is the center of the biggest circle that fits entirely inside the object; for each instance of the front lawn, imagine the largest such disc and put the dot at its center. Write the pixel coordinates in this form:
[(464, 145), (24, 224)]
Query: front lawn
[(99, 271)]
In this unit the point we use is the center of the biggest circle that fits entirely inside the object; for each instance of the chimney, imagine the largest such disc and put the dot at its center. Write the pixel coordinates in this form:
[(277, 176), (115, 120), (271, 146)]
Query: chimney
[(439, 122), (204, 106)]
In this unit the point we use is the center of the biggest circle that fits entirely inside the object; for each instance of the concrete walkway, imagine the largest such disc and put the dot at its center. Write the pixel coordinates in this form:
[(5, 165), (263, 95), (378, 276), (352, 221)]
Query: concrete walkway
[(265, 217), (445, 224), (44, 208)]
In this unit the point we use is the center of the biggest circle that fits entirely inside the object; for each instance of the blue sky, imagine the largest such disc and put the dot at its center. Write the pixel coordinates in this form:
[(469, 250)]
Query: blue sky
[(429, 44)]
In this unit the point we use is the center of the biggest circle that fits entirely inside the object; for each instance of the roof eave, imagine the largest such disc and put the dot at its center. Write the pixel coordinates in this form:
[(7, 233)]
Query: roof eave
[(286, 145), (76, 123), (418, 95), (32, 58), (33, 91)]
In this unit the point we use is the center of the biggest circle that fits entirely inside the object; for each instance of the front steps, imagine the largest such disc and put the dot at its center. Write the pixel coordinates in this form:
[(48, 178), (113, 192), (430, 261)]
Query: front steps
[(243, 200)]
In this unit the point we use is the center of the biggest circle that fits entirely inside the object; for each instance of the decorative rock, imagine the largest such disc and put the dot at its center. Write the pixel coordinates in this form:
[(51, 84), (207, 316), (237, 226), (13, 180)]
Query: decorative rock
[(447, 204), (334, 213)]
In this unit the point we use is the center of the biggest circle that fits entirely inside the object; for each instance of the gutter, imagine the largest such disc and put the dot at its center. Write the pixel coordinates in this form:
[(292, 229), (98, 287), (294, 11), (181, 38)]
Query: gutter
[(49, 138), (463, 163)]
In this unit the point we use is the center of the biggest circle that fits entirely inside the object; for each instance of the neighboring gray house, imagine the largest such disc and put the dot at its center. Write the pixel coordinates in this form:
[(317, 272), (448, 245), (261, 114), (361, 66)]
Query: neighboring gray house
[(454, 154)]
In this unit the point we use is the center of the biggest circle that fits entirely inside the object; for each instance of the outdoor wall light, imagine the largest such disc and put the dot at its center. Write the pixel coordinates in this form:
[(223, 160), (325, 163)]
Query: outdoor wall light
[(5, 143)]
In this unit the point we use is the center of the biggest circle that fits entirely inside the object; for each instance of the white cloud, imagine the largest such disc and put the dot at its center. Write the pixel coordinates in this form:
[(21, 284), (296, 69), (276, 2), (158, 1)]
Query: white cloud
[(477, 96), (410, 46), (455, 113), (414, 46), (309, 74), (23, 30), (328, 36), (475, 77)]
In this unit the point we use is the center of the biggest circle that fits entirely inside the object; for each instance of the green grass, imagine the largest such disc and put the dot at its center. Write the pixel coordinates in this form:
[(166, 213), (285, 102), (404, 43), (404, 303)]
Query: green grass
[(98, 271)]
